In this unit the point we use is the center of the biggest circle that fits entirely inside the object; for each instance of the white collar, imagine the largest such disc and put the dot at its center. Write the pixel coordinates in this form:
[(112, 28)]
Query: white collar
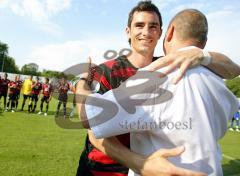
[(187, 48)]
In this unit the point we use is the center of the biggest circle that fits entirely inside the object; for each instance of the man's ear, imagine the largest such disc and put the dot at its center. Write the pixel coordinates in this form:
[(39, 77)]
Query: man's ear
[(204, 44), (127, 30), (169, 34), (160, 33)]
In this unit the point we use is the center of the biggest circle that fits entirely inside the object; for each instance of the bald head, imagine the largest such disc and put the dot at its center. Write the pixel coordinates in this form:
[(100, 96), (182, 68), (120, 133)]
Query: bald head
[(190, 24)]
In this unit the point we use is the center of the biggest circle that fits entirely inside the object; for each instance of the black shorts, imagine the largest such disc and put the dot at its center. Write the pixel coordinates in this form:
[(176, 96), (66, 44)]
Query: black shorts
[(26, 96), (34, 97), (4, 94), (63, 98), (45, 99), (17, 95), (12, 97)]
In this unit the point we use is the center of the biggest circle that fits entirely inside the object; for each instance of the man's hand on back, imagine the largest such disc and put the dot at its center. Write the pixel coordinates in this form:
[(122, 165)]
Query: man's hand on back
[(157, 164)]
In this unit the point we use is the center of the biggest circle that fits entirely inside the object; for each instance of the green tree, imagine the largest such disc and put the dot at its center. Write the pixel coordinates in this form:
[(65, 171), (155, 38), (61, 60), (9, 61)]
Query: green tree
[(10, 65), (30, 69), (52, 74), (3, 53), (56, 74), (234, 86), (7, 63)]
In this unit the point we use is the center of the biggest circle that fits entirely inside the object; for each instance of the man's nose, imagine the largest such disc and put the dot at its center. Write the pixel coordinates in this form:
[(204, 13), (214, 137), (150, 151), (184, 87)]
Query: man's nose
[(146, 31)]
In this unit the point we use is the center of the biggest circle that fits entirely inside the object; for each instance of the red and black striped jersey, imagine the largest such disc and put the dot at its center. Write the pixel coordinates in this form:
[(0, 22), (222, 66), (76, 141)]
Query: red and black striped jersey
[(46, 89), (19, 86), (63, 88), (12, 87), (110, 75), (4, 85), (36, 88)]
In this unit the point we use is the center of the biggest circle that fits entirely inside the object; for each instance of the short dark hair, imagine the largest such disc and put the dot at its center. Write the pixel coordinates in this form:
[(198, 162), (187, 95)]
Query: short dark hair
[(143, 6)]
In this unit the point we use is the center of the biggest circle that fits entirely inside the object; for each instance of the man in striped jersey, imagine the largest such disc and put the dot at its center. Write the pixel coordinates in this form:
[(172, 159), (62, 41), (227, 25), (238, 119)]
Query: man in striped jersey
[(36, 89), (4, 89), (12, 94), (18, 90), (47, 96), (63, 89), (144, 30)]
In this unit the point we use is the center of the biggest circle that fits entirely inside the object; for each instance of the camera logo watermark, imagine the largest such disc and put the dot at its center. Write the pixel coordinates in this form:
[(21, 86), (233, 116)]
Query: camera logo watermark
[(122, 94), (142, 124)]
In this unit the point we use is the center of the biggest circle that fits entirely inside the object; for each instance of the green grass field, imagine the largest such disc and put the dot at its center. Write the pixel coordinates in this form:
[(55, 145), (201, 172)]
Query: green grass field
[(32, 144)]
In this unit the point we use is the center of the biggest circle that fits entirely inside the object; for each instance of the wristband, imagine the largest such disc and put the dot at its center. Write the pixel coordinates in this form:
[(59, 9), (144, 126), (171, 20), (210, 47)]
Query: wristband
[(85, 79), (207, 59)]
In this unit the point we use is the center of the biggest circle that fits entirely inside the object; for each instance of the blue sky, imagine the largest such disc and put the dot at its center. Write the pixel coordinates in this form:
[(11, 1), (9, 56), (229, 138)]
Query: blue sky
[(56, 34)]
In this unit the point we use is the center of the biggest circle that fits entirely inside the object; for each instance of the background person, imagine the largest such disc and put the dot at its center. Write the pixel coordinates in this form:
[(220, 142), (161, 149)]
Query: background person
[(63, 89), (4, 89), (26, 90), (47, 95), (36, 89), (12, 94), (18, 91), (235, 117)]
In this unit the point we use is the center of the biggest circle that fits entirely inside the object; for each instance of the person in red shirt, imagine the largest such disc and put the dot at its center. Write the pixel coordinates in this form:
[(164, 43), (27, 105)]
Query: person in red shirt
[(63, 89), (12, 94), (4, 89), (36, 89), (47, 95), (19, 86)]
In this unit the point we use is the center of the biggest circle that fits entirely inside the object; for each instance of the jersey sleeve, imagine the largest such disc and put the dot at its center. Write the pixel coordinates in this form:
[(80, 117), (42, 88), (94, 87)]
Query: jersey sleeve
[(108, 118), (100, 79)]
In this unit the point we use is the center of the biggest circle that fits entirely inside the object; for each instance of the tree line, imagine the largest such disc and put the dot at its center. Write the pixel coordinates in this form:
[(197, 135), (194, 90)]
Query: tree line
[(7, 64)]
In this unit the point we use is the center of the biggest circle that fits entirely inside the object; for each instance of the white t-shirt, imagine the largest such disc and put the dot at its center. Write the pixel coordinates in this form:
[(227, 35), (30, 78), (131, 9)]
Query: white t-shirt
[(194, 114)]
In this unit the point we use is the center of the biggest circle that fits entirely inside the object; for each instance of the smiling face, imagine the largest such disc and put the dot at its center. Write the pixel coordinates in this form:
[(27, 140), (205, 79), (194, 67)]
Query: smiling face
[(144, 32)]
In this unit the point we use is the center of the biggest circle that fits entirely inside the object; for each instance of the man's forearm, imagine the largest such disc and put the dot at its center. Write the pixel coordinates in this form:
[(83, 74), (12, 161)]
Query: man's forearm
[(117, 151), (223, 66), (81, 93)]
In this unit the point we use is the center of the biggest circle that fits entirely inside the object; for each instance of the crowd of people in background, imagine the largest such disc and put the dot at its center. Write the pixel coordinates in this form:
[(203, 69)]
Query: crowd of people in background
[(32, 91)]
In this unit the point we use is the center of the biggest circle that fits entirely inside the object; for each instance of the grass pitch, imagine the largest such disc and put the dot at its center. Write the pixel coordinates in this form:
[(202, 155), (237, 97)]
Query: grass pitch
[(34, 145)]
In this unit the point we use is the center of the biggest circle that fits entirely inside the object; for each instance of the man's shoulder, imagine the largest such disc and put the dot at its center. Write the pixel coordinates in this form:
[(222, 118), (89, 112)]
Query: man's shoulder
[(113, 63), (196, 79), (202, 71)]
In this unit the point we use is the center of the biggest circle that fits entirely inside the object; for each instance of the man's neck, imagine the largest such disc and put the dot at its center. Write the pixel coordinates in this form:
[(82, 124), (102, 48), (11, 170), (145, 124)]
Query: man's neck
[(139, 60), (178, 45)]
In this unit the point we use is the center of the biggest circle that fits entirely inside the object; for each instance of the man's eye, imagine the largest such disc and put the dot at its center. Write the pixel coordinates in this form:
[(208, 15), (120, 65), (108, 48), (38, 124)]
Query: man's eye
[(139, 25), (153, 27)]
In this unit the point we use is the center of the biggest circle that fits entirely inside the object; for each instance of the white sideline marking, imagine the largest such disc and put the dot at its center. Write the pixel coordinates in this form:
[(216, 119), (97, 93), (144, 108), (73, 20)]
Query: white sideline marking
[(231, 158)]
